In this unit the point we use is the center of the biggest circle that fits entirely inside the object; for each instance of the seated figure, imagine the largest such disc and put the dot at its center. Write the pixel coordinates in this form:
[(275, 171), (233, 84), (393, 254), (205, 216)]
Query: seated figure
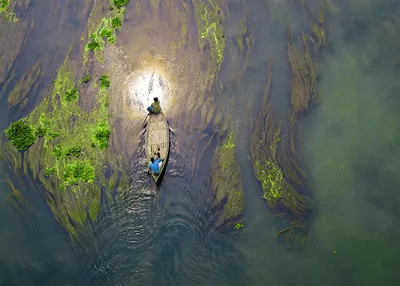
[(155, 106), (155, 164)]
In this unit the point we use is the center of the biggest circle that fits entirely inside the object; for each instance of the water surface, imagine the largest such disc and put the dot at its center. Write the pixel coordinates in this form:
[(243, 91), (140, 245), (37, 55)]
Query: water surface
[(167, 235)]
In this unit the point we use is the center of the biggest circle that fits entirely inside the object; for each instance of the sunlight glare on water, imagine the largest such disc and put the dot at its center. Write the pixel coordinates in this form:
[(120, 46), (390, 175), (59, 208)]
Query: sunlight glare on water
[(146, 85)]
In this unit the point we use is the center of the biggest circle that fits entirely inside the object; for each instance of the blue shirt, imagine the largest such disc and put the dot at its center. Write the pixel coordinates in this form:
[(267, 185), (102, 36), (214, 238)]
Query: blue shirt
[(154, 166)]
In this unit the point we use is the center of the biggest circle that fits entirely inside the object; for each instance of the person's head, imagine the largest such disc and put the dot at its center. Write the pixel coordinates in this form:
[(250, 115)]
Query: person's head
[(155, 99), (152, 160)]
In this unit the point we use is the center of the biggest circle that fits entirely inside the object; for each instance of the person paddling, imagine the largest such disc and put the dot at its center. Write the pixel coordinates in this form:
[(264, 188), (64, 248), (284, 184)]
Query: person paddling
[(155, 106)]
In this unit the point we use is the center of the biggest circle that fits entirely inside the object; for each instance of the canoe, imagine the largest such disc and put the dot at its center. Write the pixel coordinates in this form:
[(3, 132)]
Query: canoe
[(157, 140)]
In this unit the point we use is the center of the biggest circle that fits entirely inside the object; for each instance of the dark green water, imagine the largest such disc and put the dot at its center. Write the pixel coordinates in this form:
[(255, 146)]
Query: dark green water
[(350, 144)]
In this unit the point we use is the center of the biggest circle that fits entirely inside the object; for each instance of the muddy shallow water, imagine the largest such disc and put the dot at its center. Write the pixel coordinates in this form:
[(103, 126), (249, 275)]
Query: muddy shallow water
[(175, 234)]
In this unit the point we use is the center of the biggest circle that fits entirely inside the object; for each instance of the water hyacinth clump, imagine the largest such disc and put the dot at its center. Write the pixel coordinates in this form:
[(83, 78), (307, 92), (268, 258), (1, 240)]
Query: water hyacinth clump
[(78, 172), (86, 79), (71, 94), (120, 3), (7, 11), (104, 81), (102, 134), (4, 5), (21, 134), (101, 32), (116, 22), (73, 151), (239, 226), (49, 171), (105, 32), (93, 44)]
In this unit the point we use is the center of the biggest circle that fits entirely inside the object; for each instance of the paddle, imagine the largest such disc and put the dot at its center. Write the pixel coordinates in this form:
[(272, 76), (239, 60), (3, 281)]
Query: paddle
[(143, 125)]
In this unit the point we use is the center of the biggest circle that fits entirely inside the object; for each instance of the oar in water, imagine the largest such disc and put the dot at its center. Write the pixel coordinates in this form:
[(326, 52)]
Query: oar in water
[(143, 125)]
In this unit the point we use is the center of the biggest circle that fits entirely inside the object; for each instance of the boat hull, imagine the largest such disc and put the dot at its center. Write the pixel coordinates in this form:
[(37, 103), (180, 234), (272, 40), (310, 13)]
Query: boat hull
[(157, 140)]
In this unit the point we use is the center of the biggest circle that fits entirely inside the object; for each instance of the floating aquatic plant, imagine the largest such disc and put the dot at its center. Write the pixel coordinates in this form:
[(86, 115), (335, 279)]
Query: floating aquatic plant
[(116, 22), (105, 32), (276, 165), (93, 45), (112, 39), (75, 134), (40, 131), (210, 27), (103, 24), (71, 94), (86, 79), (49, 171), (7, 11), (4, 4), (101, 135), (104, 81), (57, 151), (279, 192), (21, 134), (211, 34), (120, 3), (239, 226), (73, 151), (226, 181), (78, 172)]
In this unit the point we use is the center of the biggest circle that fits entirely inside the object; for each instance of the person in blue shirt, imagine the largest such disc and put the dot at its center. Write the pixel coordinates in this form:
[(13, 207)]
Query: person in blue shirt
[(155, 165)]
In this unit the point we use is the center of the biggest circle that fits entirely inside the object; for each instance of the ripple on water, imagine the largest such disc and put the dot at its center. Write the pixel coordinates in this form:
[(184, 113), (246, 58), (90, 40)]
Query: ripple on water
[(184, 251), (124, 240), (162, 234)]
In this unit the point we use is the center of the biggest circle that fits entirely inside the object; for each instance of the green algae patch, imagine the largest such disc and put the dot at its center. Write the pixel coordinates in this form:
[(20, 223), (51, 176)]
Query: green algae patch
[(120, 3), (71, 94), (211, 33), (104, 81), (271, 179), (86, 79), (105, 32), (64, 159), (79, 172), (4, 5), (49, 171), (239, 226), (276, 189), (93, 45), (72, 128), (7, 10), (102, 27), (73, 151), (116, 22), (226, 181), (272, 164), (274, 157), (102, 134), (21, 134), (210, 29)]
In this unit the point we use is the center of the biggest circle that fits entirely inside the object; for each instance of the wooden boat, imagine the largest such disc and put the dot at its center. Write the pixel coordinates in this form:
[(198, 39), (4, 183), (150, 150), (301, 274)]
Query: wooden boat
[(157, 140)]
